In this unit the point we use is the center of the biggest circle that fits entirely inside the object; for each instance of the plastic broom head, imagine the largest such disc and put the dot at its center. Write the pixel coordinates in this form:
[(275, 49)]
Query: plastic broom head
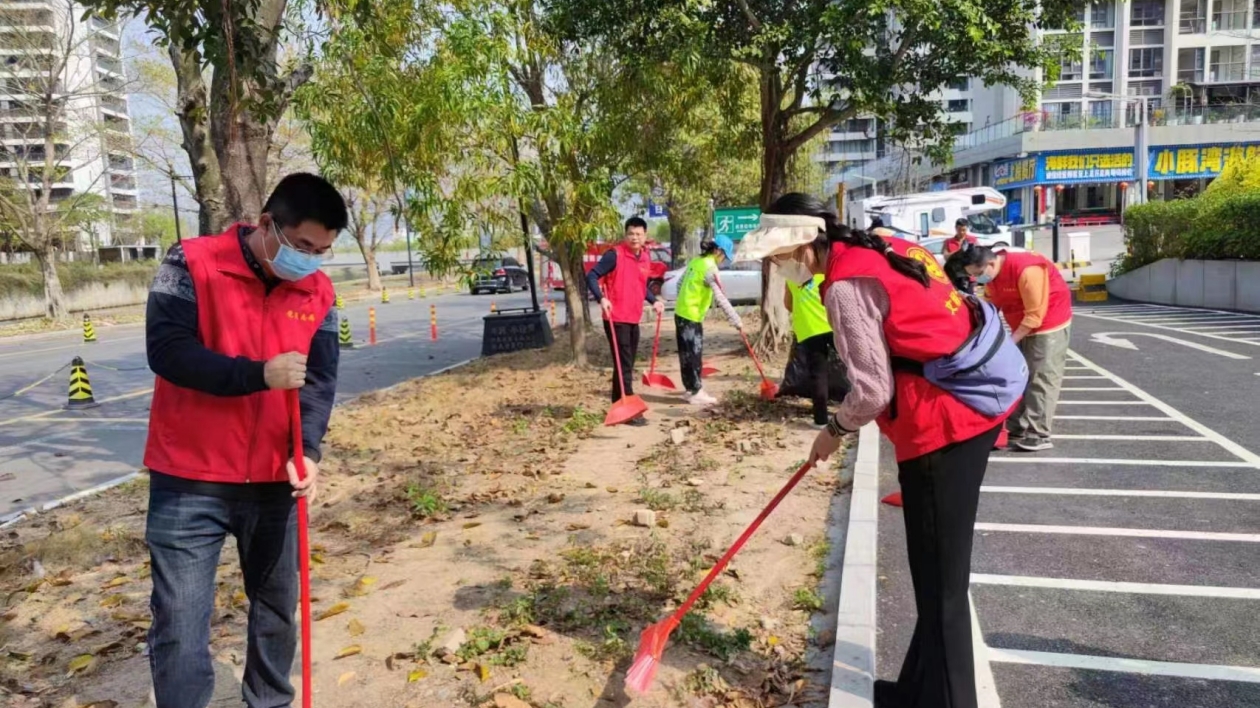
[(658, 381), (647, 659), (709, 370), (625, 410)]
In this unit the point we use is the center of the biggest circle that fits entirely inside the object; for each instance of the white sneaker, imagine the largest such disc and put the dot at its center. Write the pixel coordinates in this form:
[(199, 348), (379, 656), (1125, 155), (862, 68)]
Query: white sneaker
[(701, 398)]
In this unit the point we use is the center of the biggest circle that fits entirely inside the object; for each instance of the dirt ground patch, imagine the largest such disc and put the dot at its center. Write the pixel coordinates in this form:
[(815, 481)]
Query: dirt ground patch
[(475, 543)]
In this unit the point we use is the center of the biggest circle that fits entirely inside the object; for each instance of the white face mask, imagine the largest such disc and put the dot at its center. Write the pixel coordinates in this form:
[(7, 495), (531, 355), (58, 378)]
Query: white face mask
[(796, 272)]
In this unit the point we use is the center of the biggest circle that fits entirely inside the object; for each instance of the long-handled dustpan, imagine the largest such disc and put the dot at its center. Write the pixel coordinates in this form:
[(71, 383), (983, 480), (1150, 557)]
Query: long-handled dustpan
[(626, 408), (304, 547), (653, 639), (651, 378)]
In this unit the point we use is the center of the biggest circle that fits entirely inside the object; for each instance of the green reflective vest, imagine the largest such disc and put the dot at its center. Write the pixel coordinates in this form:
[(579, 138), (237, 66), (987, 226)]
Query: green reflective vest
[(694, 297), (809, 317)]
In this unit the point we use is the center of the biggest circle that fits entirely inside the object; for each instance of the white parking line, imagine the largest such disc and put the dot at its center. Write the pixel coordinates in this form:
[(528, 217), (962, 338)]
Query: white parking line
[(1237, 450), (1109, 586), (1143, 418), (1110, 531), (1158, 493), (1164, 327), (986, 687), (1136, 438), (1117, 461), (1213, 672), (1084, 376), (1095, 388), (1104, 403)]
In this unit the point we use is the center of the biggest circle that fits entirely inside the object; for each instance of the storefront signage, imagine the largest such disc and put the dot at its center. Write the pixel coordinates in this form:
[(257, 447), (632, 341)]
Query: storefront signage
[(1094, 166)]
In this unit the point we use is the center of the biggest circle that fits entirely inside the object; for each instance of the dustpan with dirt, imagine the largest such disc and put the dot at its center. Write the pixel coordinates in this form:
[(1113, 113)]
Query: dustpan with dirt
[(626, 408), (651, 378), (652, 641)]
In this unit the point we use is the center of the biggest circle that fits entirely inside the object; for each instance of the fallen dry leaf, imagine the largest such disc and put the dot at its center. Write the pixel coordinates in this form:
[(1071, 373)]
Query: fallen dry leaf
[(483, 672), (112, 601), (333, 611), (416, 675), (349, 651), (428, 539), (361, 587), (355, 628), (82, 664), (472, 524), (120, 580), (391, 585), (577, 527), (317, 558), (344, 678), (555, 498), (100, 704)]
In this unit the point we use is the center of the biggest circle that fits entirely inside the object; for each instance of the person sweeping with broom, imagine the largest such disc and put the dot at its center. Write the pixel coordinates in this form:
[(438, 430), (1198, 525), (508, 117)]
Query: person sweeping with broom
[(697, 290), (624, 269), (237, 323)]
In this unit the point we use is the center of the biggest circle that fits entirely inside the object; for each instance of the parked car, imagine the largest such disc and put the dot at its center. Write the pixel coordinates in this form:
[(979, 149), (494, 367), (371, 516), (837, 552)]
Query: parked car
[(741, 281), (498, 275)]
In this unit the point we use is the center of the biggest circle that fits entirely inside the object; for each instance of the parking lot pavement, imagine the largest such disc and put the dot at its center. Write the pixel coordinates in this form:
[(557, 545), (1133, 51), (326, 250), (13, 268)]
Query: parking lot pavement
[(1120, 568), (1219, 325)]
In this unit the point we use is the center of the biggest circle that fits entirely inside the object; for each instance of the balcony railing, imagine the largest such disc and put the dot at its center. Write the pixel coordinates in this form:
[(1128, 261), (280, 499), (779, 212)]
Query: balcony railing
[(1222, 73), (1233, 20), (114, 103), (1193, 25)]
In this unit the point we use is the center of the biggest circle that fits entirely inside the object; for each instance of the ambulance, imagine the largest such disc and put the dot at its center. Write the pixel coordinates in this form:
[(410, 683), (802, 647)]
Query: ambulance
[(930, 214)]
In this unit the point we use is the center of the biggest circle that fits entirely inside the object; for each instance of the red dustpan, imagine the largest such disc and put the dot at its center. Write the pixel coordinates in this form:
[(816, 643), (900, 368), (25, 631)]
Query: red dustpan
[(651, 378), (627, 408), (652, 641), (708, 370), (768, 388), (304, 548)]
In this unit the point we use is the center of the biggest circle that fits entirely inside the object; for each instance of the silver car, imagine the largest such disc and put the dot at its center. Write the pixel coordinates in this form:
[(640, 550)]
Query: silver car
[(741, 282)]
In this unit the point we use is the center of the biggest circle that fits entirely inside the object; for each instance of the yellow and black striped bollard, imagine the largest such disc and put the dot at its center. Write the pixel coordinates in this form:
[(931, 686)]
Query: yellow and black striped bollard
[(384, 296), (343, 336), (80, 396), (89, 332)]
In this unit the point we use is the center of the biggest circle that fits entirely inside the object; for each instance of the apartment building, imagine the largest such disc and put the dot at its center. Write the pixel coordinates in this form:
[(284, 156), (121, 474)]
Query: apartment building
[(1189, 68), (46, 43)]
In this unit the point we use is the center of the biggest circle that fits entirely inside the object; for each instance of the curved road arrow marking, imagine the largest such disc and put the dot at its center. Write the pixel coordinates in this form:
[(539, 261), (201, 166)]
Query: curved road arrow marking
[(1117, 339)]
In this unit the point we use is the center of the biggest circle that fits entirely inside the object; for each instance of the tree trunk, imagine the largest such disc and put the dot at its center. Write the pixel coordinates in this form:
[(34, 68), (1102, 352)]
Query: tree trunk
[(242, 141), (684, 244), (776, 321), (369, 259), (191, 107), (54, 296), (578, 315)]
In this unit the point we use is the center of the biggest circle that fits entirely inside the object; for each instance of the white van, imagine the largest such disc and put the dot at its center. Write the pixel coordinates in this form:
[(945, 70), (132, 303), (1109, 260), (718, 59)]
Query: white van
[(929, 214)]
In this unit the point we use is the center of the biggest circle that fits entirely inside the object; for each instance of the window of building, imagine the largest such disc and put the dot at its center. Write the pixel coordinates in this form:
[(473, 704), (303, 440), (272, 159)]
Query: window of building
[(1100, 113), (1193, 17), (961, 83), (1102, 15), (1146, 62), (1147, 13), (1190, 65), (1071, 69), (1227, 63), (958, 105), (1102, 63)]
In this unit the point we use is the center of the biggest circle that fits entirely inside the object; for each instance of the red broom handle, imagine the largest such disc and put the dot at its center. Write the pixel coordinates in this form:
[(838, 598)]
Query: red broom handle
[(304, 546), (739, 543), (612, 332), (656, 345), (751, 354)]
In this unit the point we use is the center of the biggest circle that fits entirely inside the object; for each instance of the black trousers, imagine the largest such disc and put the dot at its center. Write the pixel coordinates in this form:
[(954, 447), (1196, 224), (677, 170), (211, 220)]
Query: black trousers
[(626, 349), (690, 337), (818, 353), (940, 492)]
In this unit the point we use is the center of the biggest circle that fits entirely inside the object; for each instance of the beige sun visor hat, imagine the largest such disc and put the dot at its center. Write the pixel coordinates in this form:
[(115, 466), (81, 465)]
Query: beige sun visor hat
[(778, 234)]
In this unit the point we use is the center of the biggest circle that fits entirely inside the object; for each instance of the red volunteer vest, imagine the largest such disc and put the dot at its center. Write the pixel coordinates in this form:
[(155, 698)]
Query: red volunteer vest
[(236, 439), (1003, 291), (922, 324), (626, 286), (953, 246)]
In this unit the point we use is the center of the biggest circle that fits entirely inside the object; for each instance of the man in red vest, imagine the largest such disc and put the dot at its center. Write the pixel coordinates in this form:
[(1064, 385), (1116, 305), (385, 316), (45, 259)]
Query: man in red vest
[(234, 321), (624, 271), (961, 236), (1035, 300)]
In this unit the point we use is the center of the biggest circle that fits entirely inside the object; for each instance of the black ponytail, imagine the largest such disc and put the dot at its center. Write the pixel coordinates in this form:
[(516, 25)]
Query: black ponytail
[(808, 205), (707, 247)]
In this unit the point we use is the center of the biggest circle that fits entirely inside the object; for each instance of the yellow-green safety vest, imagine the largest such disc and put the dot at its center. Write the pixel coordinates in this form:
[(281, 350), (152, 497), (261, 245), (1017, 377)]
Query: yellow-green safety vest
[(809, 317), (694, 297)]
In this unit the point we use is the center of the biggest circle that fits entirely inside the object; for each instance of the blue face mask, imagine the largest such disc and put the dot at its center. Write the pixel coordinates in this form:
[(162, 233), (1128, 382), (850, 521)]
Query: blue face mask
[(291, 264), (984, 278)]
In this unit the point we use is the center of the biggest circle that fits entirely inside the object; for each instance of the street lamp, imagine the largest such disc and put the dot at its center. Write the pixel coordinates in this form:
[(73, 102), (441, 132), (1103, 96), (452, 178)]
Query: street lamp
[(1140, 140)]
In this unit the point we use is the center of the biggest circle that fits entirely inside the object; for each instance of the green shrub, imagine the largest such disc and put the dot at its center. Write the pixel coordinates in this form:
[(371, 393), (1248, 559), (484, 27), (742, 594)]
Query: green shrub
[(1221, 224)]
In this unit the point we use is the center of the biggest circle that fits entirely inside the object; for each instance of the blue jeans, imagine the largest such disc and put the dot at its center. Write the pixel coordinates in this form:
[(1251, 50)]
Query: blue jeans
[(185, 533)]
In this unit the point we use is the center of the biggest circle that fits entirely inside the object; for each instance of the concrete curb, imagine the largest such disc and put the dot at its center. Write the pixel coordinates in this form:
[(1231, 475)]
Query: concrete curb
[(853, 666), (19, 516)]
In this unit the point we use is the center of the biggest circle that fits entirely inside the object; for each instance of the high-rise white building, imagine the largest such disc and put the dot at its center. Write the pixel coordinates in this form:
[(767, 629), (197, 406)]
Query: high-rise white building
[(1193, 65), (47, 44)]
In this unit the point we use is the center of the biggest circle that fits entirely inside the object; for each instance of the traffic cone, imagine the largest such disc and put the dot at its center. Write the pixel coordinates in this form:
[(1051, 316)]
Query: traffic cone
[(80, 388), (89, 332), (423, 294), (411, 293), (341, 302), (893, 499), (384, 296), (493, 309), (343, 337)]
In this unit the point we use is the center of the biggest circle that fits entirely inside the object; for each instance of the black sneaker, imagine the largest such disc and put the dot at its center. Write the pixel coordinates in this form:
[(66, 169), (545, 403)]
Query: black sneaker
[(886, 695), (1031, 443), (637, 422)]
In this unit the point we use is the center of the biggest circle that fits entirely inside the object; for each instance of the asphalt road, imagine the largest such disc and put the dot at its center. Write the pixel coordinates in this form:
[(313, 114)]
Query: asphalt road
[(47, 453), (1122, 567)]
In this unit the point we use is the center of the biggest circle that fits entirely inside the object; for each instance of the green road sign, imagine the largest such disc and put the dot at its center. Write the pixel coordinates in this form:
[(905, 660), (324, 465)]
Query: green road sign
[(735, 221)]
